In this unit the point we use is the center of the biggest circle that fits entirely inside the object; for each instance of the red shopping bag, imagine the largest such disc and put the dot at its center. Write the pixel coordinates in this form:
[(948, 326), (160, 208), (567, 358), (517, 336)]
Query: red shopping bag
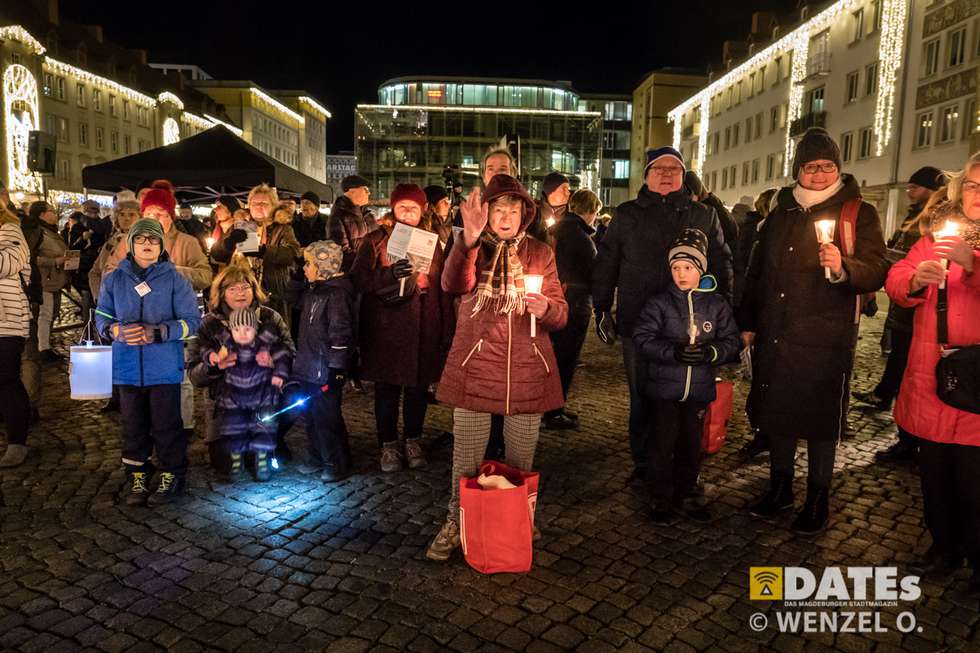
[(716, 417), (496, 526)]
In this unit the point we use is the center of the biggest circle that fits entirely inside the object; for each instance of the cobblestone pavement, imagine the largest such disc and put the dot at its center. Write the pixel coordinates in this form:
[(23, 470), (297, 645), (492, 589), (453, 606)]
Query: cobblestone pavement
[(297, 565)]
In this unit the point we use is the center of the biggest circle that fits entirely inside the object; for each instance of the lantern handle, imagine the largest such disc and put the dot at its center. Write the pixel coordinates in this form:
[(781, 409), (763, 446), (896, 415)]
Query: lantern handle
[(90, 330)]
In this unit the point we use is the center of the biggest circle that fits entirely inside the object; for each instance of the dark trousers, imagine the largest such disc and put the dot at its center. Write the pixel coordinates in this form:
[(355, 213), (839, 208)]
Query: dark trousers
[(387, 397), (891, 378), (16, 406), (820, 459), (496, 447), (151, 420), (568, 342), (640, 407), (675, 448), (951, 497), (328, 442)]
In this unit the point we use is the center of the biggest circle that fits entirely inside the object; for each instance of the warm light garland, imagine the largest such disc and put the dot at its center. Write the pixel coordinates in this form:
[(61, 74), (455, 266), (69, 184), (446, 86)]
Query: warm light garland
[(795, 107), (268, 99), (61, 68), (890, 52), (171, 131), (196, 122), (316, 106), (235, 130), (167, 96), (18, 33), (22, 116)]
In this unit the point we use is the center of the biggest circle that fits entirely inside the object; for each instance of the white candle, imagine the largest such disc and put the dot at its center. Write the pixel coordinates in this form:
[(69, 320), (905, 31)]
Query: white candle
[(210, 241), (825, 234), (532, 284), (950, 230)]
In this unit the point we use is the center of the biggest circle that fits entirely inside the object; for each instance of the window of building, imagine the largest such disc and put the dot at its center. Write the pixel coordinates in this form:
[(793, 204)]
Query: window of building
[(60, 85), (709, 147), (738, 93), (755, 171), (846, 146), (621, 169), (930, 57), (770, 166), (864, 143), (949, 124), (714, 180), (717, 140), (63, 135), (777, 71), (97, 99), (48, 88), (923, 129), (758, 125), (751, 84), (773, 119), (112, 106), (731, 176), (762, 79), (14, 58), (874, 8), (857, 25), (956, 47), (127, 144), (871, 79), (970, 117), (853, 80), (748, 130), (64, 169), (783, 115), (114, 141), (80, 94), (814, 100), (125, 104), (99, 138), (745, 173), (724, 178), (728, 138), (735, 132), (83, 134)]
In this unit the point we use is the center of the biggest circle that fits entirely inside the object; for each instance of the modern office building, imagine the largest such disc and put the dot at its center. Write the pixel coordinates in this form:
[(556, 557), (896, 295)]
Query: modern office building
[(656, 94), (422, 124), (893, 81), (617, 125), (102, 101)]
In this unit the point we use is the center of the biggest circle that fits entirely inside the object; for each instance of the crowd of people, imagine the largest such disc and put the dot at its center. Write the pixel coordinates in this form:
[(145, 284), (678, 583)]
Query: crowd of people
[(300, 307)]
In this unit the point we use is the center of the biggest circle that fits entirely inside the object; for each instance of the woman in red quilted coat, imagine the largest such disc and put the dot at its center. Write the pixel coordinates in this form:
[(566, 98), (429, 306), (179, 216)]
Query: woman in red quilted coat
[(949, 438), (495, 366)]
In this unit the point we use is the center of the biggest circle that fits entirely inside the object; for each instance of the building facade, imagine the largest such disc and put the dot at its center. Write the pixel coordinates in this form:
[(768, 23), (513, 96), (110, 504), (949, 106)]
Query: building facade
[(660, 91), (617, 126), (421, 125), (891, 80)]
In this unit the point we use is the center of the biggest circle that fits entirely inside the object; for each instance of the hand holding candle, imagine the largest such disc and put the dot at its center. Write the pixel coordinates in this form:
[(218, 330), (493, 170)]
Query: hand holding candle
[(949, 231), (210, 241), (532, 285), (825, 235)]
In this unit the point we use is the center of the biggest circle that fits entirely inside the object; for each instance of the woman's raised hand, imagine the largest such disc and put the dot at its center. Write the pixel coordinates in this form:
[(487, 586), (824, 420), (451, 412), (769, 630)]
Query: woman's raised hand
[(475, 216)]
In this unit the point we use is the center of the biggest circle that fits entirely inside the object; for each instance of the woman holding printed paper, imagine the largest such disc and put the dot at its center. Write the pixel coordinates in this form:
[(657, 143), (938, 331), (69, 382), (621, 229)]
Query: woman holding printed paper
[(498, 365), (406, 326)]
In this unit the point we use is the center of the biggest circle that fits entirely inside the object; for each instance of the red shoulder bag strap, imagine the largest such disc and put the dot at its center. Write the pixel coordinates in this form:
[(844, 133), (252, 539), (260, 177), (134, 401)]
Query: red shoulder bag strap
[(847, 232)]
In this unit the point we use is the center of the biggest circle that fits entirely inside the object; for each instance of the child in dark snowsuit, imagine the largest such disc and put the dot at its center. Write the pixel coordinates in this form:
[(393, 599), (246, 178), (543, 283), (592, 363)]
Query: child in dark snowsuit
[(682, 334), (248, 392)]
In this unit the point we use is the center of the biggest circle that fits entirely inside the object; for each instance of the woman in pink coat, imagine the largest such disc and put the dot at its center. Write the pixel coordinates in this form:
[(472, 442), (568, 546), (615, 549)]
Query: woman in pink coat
[(949, 457)]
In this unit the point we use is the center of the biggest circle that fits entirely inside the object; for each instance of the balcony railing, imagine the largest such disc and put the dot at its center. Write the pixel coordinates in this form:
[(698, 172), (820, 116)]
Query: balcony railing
[(803, 123), (818, 64)]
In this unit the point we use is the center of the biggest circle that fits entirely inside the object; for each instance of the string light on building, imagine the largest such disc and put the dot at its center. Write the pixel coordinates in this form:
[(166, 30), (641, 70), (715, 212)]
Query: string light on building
[(171, 131), (422, 107), (316, 106), (65, 199), (196, 123), (61, 68), (797, 75), (21, 116), (703, 133), (890, 51), (18, 33), (265, 97), (167, 96), (214, 121)]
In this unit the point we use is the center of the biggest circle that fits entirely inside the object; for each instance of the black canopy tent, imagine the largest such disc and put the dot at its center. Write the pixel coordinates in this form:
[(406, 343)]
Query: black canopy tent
[(203, 166)]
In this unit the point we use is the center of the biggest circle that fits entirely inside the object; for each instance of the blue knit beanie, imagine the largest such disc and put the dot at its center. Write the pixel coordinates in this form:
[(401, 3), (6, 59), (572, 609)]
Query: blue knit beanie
[(654, 154)]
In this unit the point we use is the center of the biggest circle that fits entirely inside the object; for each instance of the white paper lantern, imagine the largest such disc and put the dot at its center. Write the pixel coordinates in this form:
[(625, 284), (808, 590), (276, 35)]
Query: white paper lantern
[(90, 372)]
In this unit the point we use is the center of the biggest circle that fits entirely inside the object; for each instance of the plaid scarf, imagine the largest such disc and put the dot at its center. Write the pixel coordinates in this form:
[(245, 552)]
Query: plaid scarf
[(969, 229), (500, 287)]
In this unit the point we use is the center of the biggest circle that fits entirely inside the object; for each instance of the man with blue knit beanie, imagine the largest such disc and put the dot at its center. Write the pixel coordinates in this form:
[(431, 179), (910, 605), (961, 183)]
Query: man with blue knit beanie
[(632, 267)]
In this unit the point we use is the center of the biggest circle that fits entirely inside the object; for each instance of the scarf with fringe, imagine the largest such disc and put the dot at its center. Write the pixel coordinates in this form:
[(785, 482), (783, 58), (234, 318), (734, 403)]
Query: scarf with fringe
[(500, 287)]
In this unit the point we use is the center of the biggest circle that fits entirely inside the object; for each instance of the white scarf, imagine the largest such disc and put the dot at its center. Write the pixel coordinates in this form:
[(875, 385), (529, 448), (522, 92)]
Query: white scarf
[(807, 197)]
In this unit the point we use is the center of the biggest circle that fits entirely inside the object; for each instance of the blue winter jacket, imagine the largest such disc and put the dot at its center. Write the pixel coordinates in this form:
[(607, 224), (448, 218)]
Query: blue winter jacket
[(665, 321), (171, 301)]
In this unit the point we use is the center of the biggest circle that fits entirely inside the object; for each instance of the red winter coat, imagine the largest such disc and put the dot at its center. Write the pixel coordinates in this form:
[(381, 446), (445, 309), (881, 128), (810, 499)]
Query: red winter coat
[(494, 365), (918, 410), (401, 343)]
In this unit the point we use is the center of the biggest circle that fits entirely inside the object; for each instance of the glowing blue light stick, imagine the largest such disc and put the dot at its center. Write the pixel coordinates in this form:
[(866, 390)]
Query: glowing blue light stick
[(299, 402)]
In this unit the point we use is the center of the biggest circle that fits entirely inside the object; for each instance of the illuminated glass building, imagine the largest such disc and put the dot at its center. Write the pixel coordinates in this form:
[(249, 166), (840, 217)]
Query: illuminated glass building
[(423, 124)]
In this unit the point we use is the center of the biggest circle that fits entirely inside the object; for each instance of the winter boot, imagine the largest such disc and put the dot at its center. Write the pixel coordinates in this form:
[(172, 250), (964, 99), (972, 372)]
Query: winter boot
[(778, 499), (444, 543), (139, 488), (169, 489), (815, 514), (391, 457), (333, 474), (262, 471), (14, 456), (413, 453)]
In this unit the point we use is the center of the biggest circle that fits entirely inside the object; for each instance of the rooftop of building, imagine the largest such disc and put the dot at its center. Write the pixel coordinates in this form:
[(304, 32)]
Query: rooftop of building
[(455, 79)]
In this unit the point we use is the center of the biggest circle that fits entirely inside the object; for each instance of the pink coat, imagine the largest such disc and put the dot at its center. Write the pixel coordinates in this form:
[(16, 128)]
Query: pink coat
[(919, 411)]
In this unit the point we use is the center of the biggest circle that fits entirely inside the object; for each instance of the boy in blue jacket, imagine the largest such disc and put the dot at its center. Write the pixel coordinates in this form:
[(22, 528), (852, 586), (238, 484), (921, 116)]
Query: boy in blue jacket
[(682, 334), (147, 308)]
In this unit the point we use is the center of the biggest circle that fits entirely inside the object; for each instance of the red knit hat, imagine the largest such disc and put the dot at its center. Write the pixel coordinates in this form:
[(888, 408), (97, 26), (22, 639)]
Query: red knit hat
[(161, 194), (410, 192)]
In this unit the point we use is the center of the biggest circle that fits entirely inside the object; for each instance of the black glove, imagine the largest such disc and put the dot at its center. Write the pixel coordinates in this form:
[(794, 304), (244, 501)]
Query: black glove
[(694, 354), (605, 327), (402, 268), (236, 236)]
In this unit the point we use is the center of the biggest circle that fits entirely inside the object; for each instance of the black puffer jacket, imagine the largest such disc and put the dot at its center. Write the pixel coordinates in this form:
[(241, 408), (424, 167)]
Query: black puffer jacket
[(665, 322), (309, 230), (326, 330), (748, 234), (901, 242), (348, 225), (633, 254)]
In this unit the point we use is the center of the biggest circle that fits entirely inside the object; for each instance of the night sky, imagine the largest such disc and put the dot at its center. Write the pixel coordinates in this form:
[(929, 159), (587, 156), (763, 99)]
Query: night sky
[(342, 51)]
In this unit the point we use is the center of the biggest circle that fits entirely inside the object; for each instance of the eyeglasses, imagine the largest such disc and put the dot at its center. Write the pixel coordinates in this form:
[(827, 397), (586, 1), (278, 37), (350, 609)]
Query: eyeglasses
[(667, 171), (813, 168), (970, 187), (240, 287), (146, 240)]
